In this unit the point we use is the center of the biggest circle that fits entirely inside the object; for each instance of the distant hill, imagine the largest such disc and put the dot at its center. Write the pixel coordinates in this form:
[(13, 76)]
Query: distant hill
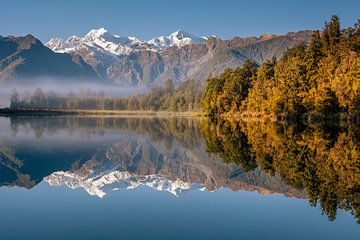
[(25, 58)]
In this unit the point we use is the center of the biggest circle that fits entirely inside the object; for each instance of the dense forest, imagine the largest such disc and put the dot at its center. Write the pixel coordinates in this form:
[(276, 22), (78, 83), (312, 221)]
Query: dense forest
[(322, 77), (319, 79)]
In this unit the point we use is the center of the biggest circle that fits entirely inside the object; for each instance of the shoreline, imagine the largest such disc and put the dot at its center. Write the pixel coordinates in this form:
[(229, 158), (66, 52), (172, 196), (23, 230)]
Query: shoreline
[(113, 113), (305, 119)]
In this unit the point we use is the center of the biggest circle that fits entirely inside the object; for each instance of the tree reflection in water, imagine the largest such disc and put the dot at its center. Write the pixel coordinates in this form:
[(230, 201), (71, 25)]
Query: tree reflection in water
[(321, 161)]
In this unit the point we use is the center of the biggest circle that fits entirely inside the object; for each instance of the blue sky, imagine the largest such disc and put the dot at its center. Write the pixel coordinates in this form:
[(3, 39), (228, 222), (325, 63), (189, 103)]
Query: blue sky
[(147, 19)]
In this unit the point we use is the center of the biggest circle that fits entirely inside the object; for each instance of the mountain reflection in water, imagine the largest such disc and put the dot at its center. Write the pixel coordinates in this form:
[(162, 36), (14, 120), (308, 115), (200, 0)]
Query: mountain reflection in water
[(180, 155)]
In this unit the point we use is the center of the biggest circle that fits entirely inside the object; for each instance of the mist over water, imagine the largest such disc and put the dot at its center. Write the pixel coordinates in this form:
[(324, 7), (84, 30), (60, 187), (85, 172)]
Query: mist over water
[(62, 87), (4, 98)]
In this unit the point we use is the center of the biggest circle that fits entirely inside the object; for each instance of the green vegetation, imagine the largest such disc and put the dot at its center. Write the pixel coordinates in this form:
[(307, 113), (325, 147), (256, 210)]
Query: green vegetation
[(226, 92), (318, 79), (185, 97)]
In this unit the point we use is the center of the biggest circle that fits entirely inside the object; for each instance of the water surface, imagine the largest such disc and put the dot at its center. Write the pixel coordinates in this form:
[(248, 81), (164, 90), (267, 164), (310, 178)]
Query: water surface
[(179, 178)]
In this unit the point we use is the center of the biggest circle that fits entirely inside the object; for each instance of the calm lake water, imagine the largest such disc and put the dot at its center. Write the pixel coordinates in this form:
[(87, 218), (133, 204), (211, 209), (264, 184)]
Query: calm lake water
[(176, 178)]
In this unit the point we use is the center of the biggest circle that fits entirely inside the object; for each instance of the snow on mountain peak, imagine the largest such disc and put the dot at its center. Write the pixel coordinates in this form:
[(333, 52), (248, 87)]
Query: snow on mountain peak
[(180, 34), (97, 41), (179, 38), (100, 46), (96, 33), (211, 36), (104, 41), (57, 44), (73, 39)]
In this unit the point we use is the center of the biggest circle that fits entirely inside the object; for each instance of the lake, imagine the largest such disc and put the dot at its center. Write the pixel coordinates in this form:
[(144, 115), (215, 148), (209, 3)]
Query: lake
[(84, 177)]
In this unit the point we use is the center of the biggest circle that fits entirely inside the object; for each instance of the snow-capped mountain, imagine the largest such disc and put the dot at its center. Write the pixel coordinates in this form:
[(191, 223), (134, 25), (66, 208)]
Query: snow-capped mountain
[(128, 61), (99, 40), (178, 38), (103, 40), (100, 48), (100, 185)]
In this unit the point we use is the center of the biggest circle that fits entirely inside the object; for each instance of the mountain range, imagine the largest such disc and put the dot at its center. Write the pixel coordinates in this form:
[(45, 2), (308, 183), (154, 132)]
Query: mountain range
[(128, 61)]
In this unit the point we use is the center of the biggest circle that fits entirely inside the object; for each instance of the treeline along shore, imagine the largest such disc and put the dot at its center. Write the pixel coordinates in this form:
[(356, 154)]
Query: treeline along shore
[(320, 80)]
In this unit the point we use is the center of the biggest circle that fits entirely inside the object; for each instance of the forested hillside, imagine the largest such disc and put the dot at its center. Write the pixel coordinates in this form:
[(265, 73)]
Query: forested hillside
[(321, 78)]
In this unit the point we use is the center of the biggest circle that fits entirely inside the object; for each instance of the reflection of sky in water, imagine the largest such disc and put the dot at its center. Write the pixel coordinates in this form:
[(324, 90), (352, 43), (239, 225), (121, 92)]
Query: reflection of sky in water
[(144, 205), (60, 213)]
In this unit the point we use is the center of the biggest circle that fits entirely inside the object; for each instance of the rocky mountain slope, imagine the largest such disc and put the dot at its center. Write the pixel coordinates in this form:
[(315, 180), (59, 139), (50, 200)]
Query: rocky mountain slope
[(199, 61), (129, 61), (100, 48), (23, 59)]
